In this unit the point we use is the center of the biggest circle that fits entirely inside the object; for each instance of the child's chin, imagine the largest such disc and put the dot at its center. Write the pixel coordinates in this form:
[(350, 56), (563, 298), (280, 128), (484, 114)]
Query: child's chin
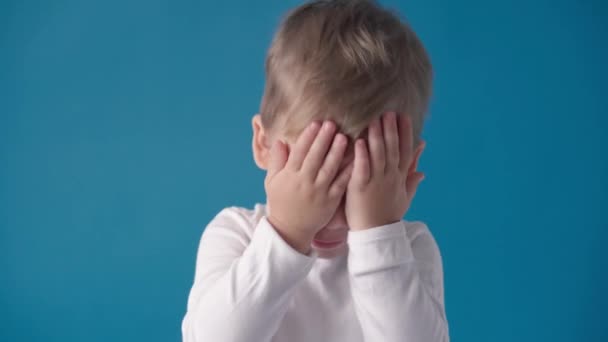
[(330, 253)]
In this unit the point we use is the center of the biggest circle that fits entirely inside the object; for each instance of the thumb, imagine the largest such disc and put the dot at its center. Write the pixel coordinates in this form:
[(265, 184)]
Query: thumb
[(278, 157), (412, 182)]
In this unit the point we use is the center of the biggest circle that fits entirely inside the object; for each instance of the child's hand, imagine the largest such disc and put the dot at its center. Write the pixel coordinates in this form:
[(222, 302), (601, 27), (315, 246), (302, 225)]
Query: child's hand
[(380, 189), (303, 187)]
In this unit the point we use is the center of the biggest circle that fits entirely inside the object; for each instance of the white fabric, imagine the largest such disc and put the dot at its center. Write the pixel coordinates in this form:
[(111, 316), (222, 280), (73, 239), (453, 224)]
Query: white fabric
[(251, 286)]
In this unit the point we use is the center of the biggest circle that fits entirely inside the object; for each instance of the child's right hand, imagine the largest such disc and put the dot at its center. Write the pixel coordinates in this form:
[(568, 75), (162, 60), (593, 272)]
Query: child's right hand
[(303, 187)]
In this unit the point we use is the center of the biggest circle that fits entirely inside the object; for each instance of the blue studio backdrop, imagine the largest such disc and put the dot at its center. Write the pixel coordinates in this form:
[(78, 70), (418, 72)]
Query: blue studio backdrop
[(125, 127)]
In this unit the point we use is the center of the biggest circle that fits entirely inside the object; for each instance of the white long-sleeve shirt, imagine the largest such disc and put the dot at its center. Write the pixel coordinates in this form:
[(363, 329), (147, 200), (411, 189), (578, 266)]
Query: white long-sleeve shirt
[(251, 286)]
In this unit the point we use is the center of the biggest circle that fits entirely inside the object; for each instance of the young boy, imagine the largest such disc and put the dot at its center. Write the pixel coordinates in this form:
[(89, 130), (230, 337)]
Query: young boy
[(329, 257)]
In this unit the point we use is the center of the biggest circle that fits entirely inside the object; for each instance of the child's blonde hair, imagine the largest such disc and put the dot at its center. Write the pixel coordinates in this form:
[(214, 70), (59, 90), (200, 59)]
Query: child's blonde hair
[(349, 61)]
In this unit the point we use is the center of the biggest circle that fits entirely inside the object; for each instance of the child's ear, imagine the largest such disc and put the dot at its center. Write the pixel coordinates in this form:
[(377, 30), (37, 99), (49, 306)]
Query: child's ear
[(261, 152), (417, 153)]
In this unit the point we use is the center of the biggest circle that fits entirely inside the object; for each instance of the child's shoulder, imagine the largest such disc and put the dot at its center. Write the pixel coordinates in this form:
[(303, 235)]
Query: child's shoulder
[(237, 213), (238, 218)]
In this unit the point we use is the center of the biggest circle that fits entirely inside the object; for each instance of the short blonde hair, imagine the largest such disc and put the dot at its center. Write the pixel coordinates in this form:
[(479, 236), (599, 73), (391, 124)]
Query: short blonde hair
[(348, 61)]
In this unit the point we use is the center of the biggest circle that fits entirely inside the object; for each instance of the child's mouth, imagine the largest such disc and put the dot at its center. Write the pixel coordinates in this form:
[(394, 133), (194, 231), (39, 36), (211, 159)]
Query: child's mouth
[(326, 245)]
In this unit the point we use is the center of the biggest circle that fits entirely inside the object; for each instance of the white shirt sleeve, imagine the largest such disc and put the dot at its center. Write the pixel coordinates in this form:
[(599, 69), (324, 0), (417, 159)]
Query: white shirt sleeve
[(397, 284), (242, 288)]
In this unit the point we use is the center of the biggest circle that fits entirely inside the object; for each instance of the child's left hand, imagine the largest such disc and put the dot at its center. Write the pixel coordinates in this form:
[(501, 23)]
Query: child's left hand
[(382, 183)]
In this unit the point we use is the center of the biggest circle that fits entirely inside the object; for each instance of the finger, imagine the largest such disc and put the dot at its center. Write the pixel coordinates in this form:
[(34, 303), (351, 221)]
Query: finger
[(412, 182), (278, 158), (406, 141), (338, 187), (332, 162), (391, 140), (361, 168), (316, 155), (376, 147), (302, 145)]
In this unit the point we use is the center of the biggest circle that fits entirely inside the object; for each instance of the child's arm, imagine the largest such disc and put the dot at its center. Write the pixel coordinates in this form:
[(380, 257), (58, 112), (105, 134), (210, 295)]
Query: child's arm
[(241, 290), (397, 284), (396, 279)]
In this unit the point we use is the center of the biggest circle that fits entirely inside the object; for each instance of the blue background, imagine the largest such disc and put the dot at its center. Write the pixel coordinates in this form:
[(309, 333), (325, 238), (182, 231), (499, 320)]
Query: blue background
[(125, 126)]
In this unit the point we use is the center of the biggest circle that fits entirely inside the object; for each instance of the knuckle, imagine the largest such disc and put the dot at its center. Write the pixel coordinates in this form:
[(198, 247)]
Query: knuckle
[(336, 192), (307, 191), (359, 186), (323, 174), (337, 189)]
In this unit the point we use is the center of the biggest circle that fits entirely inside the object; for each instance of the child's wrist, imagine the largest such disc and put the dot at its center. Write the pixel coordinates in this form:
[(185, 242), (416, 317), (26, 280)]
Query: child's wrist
[(297, 240)]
